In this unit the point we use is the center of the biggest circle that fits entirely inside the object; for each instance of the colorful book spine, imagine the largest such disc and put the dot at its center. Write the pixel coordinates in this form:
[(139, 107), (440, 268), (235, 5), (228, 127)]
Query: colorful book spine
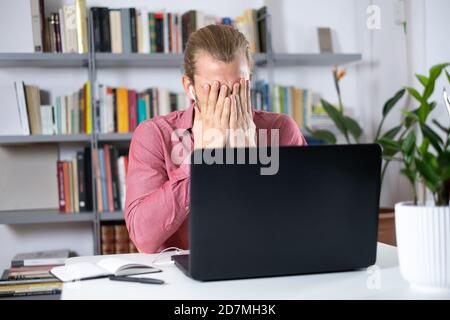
[(61, 186)]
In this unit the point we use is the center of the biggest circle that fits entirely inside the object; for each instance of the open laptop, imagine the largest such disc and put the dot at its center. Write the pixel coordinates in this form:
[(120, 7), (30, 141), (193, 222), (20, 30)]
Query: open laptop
[(318, 213)]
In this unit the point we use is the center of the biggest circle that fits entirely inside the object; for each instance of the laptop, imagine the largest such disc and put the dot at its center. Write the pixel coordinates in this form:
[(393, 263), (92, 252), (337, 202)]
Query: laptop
[(317, 214)]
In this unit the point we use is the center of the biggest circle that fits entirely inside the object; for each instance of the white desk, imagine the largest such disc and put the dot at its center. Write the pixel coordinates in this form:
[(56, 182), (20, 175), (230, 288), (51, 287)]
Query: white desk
[(385, 283)]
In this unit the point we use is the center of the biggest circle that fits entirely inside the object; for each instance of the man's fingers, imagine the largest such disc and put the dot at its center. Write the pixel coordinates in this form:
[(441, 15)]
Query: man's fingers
[(204, 98), (225, 118), (237, 100), (212, 98), (233, 112), (249, 97), (220, 101), (243, 95)]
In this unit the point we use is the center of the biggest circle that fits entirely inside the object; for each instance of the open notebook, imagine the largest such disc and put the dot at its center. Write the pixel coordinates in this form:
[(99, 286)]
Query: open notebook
[(103, 268)]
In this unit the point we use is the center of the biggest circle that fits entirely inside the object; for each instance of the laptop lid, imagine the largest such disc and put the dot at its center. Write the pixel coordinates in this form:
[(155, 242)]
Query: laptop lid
[(318, 213)]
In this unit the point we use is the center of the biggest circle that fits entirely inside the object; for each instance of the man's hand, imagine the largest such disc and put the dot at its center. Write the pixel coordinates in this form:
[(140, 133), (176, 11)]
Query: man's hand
[(212, 119), (242, 128)]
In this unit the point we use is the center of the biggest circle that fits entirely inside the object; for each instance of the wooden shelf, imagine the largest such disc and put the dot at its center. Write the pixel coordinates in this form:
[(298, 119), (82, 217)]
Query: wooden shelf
[(31, 139), (43, 60), (43, 216)]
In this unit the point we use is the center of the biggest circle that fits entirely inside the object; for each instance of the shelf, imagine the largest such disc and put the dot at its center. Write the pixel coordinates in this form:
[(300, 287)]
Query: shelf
[(160, 60), (17, 140), (314, 59), (43, 60), (111, 137), (111, 216), (42, 216), (152, 60)]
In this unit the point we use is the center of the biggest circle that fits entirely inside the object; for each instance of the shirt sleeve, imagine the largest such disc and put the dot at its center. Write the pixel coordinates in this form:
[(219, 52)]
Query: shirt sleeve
[(290, 134), (156, 200)]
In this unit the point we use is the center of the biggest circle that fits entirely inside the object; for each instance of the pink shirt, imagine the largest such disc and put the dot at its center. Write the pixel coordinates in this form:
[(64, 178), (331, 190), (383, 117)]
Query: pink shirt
[(157, 197)]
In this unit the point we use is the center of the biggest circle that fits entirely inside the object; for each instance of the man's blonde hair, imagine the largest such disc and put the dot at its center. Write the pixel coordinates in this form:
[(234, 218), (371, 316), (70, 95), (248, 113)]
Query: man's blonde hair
[(222, 42)]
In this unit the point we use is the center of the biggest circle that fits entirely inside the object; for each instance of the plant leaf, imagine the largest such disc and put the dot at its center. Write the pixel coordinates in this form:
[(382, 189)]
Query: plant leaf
[(409, 143), (433, 137), (392, 132), (435, 72), (422, 79), (324, 135), (353, 127), (423, 149), (415, 94), (429, 175), (392, 102), (335, 115), (440, 126)]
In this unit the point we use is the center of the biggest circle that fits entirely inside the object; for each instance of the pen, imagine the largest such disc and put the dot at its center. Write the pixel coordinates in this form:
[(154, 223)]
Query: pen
[(139, 280)]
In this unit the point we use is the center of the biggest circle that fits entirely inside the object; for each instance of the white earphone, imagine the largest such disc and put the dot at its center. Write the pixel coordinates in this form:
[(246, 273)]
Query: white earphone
[(191, 90)]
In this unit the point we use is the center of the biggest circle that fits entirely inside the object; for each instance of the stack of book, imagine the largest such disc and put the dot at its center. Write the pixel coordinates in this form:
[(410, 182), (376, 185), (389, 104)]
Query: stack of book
[(296, 102), (115, 239), (70, 115), (121, 109), (110, 173), (64, 31), (30, 274), (131, 30), (75, 183)]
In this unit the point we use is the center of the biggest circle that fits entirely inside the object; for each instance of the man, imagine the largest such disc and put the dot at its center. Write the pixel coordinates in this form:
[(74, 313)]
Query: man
[(218, 68)]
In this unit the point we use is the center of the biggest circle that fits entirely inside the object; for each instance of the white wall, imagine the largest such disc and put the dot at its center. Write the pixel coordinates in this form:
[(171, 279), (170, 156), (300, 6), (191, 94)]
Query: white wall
[(367, 86)]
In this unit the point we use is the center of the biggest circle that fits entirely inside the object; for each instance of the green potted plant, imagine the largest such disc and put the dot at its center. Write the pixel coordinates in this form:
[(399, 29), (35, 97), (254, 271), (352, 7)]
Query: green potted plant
[(423, 229), (352, 132)]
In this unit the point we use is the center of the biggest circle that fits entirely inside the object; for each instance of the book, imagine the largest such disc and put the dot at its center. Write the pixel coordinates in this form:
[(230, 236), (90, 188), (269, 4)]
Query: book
[(107, 239), (32, 95), (70, 28), (81, 20), (62, 30), (81, 182), (88, 177), (37, 25), (75, 190), (40, 258), (61, 186), (98, 181), (47, 119), (104, 268), (121, 168), (108, 174), (22, 107), (132, 110), (126, 30), (133, 30), (30, 289), (122, 110), (67, 195), (115, 18), (114, 154)]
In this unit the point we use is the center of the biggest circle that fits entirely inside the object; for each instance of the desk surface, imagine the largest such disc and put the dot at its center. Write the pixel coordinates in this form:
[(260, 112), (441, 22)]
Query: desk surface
[(383, 281)]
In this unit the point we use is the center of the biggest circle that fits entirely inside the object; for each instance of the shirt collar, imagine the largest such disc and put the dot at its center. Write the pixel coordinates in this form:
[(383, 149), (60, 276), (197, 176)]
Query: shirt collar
[(187, 117)]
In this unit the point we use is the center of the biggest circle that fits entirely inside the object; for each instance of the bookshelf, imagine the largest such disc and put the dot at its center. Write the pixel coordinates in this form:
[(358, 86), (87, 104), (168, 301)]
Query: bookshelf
[(94, 61), (43, 60), (18, 140), (15, 217)]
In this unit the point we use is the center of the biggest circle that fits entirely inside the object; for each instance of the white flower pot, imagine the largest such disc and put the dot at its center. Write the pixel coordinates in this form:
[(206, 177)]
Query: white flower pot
[(423, 241)]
